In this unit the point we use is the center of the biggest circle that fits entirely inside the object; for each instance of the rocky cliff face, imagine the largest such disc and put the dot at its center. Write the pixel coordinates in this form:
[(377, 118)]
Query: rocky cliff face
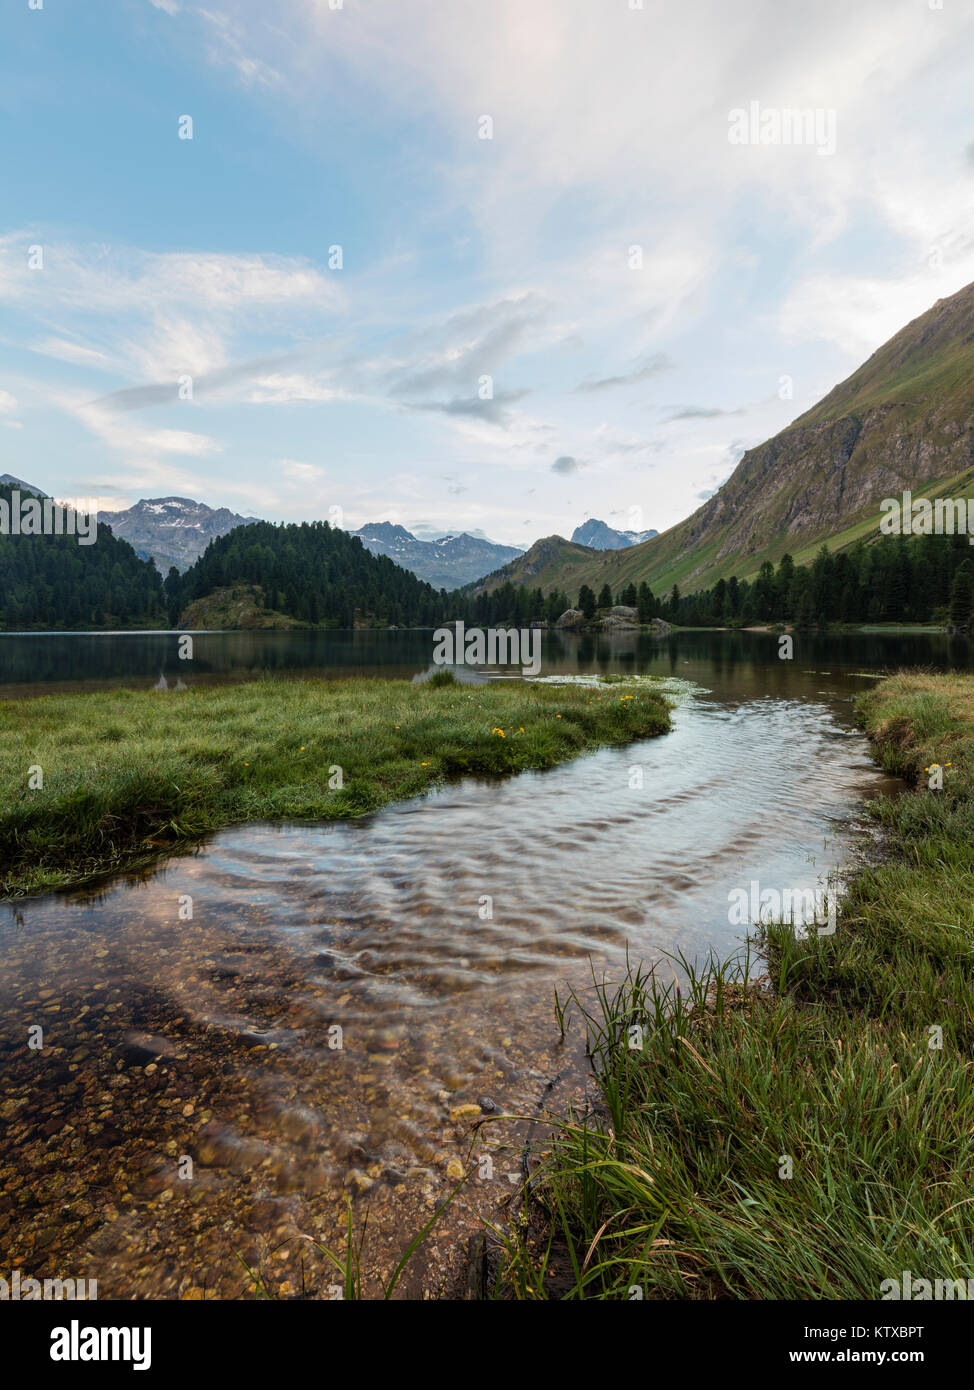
[(905, 418), (817, 479)]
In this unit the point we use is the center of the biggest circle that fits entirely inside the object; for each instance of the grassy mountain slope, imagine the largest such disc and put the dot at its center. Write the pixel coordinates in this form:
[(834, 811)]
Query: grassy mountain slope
[(551, 562), (904, 419)]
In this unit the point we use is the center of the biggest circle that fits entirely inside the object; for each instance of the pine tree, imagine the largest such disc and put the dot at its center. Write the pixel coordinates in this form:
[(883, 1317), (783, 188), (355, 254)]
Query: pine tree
[(782, 587), (805, 611), (645, 603), (764, 591), (719, 601), (962, 597), (586, 601), (824, 597)]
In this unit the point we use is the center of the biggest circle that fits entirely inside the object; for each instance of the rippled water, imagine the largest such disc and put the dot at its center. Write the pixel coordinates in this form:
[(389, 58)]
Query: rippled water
[(433, 935)]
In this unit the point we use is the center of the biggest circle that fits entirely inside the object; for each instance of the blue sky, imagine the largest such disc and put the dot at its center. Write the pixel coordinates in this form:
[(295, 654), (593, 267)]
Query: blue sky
[(491, 354)]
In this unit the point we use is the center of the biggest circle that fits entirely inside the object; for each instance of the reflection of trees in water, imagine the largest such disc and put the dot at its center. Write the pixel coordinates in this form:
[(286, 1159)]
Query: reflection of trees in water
[(151, 657), (145, 659)]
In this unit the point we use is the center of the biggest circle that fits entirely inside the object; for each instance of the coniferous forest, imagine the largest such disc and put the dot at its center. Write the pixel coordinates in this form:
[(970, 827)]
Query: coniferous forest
[(312, 572), (926, 579), (51, 583), (321, 576), (923, 579)]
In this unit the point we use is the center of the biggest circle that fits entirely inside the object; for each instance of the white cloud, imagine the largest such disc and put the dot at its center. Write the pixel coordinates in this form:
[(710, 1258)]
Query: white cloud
[(300, 472), (610, 130), (231, 44), (136, 443), (287, 389), (858, 313), (157, 315), (69, 352)]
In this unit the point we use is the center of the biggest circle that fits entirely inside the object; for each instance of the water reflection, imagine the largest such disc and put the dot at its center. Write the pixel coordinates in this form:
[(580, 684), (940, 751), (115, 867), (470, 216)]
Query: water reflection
[(33, 663)]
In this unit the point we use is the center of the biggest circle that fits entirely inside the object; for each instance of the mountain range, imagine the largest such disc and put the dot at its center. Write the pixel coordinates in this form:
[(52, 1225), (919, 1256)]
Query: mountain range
[(173, 530), (177, 530), (902, 421), (447, 563)]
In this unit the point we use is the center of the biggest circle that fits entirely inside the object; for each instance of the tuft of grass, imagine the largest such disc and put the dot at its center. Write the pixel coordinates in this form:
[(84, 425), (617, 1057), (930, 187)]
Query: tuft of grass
[(442, 678), (811, 1134), (126, 775)]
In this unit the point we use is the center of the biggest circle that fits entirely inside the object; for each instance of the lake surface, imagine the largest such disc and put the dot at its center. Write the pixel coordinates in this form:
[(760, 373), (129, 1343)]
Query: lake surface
[(191, 1110), (37, 663)]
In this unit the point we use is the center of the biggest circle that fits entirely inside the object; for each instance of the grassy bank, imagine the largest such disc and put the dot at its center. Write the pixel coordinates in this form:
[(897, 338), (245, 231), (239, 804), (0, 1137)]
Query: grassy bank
[(129, 774), (681, 1186)]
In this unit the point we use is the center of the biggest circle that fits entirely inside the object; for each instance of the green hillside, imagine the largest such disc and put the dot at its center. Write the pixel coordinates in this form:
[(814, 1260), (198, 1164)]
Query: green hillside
[(903, 420)]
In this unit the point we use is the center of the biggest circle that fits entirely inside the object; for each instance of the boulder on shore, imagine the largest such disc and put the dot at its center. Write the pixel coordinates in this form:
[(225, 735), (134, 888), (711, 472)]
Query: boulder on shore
[(572, 617), (620, 617)]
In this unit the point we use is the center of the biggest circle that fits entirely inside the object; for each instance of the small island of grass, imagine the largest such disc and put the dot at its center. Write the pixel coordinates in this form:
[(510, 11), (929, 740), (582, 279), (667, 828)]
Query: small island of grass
[(95, 783)]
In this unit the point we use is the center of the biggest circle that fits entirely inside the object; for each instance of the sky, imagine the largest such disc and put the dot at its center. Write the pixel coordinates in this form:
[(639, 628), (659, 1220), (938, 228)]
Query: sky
[(456, 264)]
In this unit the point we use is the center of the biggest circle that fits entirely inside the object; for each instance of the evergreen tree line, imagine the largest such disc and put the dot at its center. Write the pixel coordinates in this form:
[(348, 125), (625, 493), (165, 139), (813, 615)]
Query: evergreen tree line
[(896, 579), (52, 583), (323, 576)]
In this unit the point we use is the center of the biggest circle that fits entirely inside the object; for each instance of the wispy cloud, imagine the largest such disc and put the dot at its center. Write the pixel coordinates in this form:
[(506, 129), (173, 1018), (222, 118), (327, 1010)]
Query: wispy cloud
[(491, 408), (703, 412), (659, 363)]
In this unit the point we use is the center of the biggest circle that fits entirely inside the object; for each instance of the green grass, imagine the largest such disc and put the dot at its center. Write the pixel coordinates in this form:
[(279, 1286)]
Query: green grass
[(674, 1186), (128, 775)]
